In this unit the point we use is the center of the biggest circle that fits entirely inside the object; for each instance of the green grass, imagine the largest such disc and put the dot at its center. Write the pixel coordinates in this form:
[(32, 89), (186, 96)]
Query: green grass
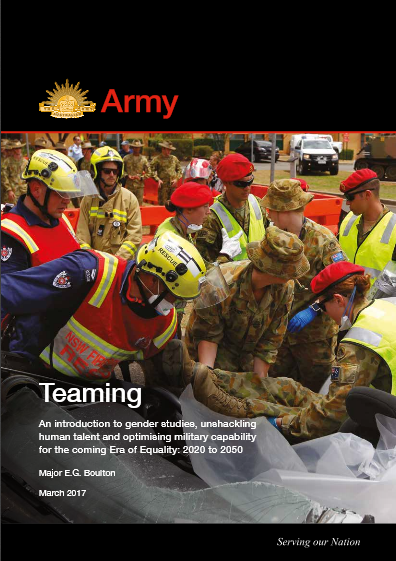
[(323, 182)]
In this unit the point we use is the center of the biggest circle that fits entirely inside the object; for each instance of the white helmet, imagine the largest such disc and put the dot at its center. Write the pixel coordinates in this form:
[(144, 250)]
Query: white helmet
[(197, 169)]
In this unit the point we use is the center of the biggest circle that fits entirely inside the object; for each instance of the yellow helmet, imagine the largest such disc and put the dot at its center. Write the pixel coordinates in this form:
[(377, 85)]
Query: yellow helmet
[(106, 154), (176, 262)]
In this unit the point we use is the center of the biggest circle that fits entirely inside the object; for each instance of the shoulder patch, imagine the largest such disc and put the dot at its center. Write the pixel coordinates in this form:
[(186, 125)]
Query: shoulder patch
[(344, 374), (338, 257), (62, 280), (5, 253), (90, 275)]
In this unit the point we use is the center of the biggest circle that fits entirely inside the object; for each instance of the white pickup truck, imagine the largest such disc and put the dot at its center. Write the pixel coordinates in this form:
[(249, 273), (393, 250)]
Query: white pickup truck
[(316, 154), (297, 137)]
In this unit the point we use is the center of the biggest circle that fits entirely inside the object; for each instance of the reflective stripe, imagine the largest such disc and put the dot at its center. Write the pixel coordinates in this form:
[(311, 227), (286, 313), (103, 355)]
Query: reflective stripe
[(96, 212), (373, 272), (218, 208), (349, 225), (110, 268), (85, 246), (129, 246), (10, 225), (58, 363), (67, 223), (364, 335), (107, 349), (162, 339), (256, 207), (388, 230)]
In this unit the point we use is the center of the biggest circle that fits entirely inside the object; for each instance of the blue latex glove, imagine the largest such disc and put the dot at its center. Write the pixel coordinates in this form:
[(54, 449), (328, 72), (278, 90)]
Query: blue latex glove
[(300, 320), (272, 420)]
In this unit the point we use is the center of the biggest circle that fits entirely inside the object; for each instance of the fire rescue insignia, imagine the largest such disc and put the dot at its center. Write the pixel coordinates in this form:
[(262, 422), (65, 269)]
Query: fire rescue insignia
[(5, 253), (63, 280)]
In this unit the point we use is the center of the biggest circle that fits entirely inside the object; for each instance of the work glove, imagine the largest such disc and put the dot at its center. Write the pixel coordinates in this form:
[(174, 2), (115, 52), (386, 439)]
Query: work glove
[(231, 246), (300, 320), (272, 420)]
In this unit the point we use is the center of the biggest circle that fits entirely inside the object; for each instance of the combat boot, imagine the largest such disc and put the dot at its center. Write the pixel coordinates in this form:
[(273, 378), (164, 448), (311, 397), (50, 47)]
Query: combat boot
[(207, 391)]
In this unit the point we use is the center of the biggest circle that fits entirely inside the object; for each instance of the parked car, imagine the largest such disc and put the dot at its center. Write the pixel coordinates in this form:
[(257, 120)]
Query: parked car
[(261, 150), (316, 155)]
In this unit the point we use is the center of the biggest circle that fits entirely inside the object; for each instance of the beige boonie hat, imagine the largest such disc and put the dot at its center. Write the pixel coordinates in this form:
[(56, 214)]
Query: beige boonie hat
[(136, 144), (42, 142), (280, 254), (16, 144), (60, 146), (167, 144), (286, 194), (88, 145), (4, 143)]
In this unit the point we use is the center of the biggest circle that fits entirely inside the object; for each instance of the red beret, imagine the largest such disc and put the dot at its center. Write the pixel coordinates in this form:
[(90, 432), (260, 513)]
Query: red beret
[(334, 274), (357, 179), (303, 183), (191, 195), (234, 167)]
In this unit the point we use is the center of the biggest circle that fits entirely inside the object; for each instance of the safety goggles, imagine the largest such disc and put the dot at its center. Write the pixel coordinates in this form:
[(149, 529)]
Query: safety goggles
[(321, 304), (243, 184), (107, 171)]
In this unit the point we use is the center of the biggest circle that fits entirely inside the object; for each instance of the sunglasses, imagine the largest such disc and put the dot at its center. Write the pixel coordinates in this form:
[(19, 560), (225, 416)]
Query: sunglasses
[(109, 171), (350, 196), (321, 304), (243, 184)]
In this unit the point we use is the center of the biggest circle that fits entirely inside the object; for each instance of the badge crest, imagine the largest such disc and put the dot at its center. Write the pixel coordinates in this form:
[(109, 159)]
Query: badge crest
[(5, 253), (63, 280)]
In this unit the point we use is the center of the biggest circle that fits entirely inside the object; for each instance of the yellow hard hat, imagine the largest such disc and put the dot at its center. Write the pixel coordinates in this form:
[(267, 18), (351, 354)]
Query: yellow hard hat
[(176, 262), (106, 154), (59, 173)]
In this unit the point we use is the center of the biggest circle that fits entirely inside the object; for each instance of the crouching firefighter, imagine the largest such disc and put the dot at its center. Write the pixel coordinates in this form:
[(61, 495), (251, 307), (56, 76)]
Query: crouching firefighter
[(85, 312)]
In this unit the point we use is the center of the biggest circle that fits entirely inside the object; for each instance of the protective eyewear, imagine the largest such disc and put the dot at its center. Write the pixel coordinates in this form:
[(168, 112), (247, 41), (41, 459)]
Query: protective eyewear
[(321, 304), (243, 184), (107, 171), (350, 196)]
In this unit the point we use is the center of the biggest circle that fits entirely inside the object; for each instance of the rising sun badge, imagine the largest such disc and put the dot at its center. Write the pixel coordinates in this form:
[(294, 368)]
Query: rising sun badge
[(67, 102)]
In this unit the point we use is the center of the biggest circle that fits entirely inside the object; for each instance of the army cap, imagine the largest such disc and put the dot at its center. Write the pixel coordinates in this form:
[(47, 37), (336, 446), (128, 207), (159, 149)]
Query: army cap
[(280, 254), (286, 194), (15, 144), (136, 144), (125, 143), (4, 143), (88, 145), (60, 146), (42, 142), (167, 144)]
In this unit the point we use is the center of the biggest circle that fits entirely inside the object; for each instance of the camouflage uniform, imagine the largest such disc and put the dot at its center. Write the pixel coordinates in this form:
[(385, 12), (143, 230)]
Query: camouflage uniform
[(136, 165), (4, 187), (210, 240), (168, 169), (242, 327), (82, 164), (11, 176), (308, 356), (306, 414)]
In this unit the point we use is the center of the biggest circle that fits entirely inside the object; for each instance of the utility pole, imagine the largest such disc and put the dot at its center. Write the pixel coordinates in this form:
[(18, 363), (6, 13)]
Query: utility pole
[(273, 153)]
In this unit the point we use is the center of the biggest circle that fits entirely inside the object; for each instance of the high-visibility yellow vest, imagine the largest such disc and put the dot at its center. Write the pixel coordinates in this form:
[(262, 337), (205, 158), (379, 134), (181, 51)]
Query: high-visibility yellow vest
[(167, 226), (256, 225), (377, 248), (375, 329)]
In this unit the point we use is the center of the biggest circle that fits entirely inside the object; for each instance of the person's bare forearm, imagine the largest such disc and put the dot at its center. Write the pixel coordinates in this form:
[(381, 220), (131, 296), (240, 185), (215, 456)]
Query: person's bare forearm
[(207, 353)]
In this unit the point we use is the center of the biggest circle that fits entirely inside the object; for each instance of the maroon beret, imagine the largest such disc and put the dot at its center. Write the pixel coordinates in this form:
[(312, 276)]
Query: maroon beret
[(191, 195), (303, 183), (234, 167), (334, 274), (357, 179)]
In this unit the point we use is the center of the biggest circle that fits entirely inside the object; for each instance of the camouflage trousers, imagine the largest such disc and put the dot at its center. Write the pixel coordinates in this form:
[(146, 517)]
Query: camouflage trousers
[(308, 363), (164, 193), (137, 189), (272, 397)]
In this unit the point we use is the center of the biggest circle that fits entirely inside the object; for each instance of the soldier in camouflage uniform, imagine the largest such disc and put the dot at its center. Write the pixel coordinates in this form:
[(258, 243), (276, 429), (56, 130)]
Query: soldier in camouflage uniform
[(41, 143), (137, 169), (84, 163), (7, 194), (166, 169), (296, 411), (235, 171), (306, 355), (13, 169), (62, 148), (245, 331)]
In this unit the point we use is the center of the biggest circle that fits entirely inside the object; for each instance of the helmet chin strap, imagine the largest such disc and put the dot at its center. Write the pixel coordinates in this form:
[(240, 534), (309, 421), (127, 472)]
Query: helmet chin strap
[(42, 207), (143, 294)]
